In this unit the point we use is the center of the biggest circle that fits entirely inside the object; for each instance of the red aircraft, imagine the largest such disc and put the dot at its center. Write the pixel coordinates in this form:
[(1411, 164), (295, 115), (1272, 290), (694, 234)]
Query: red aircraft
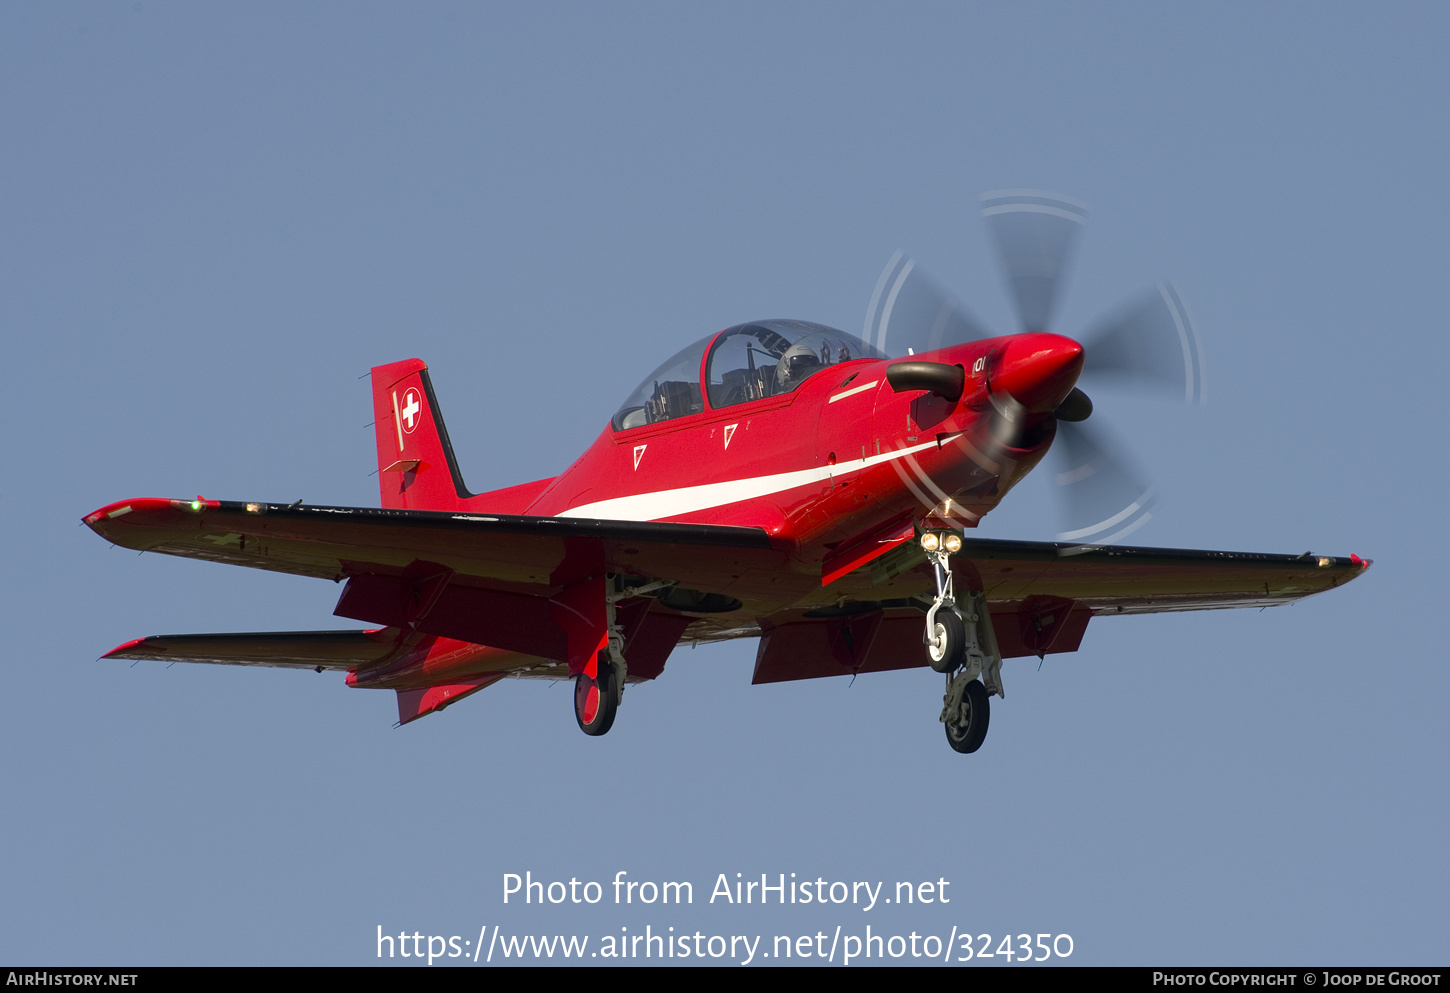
[(779, 480)]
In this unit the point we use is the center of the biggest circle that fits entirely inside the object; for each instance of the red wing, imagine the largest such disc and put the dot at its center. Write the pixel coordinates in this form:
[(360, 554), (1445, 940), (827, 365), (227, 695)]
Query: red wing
[(483, 596), (537, 556), (1041, 595), (1109, 579), (1127, 580)]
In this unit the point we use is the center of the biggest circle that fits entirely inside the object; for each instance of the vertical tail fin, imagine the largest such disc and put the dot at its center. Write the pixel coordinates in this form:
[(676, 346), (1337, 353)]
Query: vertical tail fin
[(416, 467)]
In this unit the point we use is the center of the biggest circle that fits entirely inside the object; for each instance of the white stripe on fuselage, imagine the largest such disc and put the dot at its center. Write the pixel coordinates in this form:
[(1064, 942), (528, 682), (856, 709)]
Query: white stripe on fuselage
[(860, 389), (688, 499)]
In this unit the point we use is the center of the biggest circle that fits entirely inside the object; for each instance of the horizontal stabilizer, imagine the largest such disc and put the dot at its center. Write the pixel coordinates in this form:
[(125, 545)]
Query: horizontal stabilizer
[(284, 649), (413, 704)]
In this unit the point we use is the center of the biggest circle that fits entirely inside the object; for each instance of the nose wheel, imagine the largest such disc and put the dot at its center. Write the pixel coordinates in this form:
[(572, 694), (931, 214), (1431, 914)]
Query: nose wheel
[(947, 641), (960, 643)]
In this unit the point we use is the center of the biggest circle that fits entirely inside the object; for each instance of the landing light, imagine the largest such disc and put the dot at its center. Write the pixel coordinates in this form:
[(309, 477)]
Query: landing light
[(931, 541)]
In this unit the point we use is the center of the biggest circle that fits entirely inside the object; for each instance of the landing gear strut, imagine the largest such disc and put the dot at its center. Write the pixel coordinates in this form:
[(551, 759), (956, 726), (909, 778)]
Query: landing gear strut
[(960, 640)]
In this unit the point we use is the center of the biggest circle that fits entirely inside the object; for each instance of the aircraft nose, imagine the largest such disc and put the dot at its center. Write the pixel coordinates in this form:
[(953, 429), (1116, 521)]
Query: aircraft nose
[(1038, 369)]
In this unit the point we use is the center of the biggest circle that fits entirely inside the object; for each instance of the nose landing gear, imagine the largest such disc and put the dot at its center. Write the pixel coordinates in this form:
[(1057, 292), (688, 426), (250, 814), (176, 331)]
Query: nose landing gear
[(960, 640)]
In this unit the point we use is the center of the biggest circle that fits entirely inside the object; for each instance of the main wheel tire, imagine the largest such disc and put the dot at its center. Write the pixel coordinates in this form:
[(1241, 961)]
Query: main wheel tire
[(596, 700), (949, 641), (976, 713)]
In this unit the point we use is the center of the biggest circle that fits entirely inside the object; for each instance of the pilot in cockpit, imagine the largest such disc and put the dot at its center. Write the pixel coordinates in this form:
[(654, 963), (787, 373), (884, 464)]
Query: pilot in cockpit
[(797, 363)]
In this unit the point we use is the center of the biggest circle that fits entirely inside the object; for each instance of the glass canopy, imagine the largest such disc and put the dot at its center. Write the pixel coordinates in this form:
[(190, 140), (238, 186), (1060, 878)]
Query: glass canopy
[(747, 362)]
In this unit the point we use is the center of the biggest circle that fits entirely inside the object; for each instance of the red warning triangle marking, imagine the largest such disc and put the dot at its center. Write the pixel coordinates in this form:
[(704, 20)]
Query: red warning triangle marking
[(638, 452), (729, 430)]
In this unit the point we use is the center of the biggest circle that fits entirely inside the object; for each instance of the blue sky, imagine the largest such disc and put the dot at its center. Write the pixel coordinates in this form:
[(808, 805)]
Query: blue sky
[(216, 218)]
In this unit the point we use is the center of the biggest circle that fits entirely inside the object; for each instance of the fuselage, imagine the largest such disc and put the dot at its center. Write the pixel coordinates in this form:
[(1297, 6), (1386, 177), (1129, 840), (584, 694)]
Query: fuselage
[(835, 469)]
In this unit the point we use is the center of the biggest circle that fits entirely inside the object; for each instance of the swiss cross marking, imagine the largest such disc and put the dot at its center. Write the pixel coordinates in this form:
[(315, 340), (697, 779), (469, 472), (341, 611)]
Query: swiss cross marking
[(412, 406)]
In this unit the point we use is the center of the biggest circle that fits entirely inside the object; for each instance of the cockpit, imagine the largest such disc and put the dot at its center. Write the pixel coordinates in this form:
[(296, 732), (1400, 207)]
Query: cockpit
[(740, 364)]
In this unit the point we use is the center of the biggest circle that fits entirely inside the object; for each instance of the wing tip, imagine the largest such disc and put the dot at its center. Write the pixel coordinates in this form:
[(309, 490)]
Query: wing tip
[(100, 520), (119, 649), (111, 510)]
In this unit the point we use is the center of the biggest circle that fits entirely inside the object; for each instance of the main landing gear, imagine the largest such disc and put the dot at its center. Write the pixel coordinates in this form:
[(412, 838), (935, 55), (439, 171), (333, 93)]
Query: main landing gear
[(960, 644), (596, 696), (599, 689)]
